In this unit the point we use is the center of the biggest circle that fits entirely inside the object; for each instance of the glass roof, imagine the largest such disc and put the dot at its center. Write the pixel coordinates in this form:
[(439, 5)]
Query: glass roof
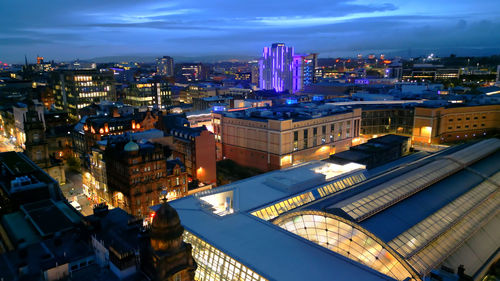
[(399, 188), (419, 236), (345, 238)]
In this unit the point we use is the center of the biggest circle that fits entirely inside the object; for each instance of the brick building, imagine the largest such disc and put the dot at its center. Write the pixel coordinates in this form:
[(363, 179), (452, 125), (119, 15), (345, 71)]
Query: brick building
[(195, 147), (139, 176)]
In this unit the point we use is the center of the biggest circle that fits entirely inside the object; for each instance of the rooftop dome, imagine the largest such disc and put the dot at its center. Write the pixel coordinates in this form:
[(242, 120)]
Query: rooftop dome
[(166, 230), (131, 146)]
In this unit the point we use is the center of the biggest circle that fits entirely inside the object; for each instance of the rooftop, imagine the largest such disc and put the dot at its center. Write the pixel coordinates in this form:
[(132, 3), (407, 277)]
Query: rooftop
[(262, 221)]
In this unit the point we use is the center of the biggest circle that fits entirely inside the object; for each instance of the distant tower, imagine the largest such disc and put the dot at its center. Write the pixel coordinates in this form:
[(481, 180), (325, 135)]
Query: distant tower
[(167, 257), (276, 68), (165, 66)]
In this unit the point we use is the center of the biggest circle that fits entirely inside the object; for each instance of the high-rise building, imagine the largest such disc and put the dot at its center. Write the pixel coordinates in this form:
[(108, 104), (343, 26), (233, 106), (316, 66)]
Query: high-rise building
[(276, 66), (76, 89), (165, 66), (304, 68)]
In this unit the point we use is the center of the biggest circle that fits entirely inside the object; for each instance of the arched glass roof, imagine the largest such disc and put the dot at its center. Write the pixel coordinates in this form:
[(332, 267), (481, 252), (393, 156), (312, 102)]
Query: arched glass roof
[(347, 239)]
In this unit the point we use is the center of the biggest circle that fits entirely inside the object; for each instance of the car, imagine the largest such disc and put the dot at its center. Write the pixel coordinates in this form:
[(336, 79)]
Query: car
[(76, 205)]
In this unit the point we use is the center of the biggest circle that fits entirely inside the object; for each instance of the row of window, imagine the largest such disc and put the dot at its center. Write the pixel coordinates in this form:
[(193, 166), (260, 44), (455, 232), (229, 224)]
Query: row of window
[(466, 126), (467, 118)]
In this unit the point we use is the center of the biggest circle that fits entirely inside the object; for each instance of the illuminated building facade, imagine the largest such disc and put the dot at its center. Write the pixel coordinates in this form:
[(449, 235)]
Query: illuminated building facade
[(148, 94), (304, 69), (76, 89), (282, 136), (95, 128), (413, 218), (276, 68), (435, 125), (165, 66), (139, 176)]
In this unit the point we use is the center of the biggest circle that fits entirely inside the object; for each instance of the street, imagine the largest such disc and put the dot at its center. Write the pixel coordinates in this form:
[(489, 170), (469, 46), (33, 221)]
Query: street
[(7, 145), (73, 191)]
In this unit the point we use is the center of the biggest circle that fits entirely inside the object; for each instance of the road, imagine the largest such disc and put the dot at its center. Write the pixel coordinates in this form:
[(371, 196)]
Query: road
[(73, 191), (7, 145)]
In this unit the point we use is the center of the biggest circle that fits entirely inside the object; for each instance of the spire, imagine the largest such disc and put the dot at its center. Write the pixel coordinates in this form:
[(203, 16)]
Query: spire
[(25, 61)]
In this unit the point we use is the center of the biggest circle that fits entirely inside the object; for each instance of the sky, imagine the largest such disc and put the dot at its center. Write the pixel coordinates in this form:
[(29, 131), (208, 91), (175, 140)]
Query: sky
[(67, 30)]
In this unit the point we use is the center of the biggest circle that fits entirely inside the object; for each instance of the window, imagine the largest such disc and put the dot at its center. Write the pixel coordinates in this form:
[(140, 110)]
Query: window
[(451, 120), (467, 118), (475, 117), (459, 119), (482, 125)]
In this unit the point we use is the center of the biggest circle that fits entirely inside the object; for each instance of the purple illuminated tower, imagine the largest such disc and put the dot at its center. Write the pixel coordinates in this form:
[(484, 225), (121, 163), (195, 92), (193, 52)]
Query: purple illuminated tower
[(276, 68)]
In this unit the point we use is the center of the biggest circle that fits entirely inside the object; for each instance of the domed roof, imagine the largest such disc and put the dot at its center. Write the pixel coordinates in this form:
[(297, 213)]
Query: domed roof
[(166, 227), (166, 217), (131, 146)]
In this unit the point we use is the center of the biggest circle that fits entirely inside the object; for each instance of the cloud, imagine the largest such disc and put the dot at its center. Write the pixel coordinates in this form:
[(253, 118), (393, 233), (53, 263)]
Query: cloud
[(61, 28)]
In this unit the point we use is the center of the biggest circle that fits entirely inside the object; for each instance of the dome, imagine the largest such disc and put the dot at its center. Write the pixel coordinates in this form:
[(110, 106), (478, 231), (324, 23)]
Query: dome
[(166, 230), (131, 146)]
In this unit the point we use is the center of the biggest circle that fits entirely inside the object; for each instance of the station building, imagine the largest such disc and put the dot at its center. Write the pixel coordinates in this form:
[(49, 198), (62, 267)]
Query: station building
[(425, 216)]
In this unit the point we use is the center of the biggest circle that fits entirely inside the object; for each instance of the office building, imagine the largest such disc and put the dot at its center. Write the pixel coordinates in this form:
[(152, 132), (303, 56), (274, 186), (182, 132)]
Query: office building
[(456, 123), (165, 66), (282, 136), (276, 68), (76, 89), (151, 93), (421, 217), (304, 69)]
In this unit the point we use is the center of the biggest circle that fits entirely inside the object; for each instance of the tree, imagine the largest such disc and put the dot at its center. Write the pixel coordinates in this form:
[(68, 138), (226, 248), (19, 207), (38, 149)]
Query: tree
[(74, 164)]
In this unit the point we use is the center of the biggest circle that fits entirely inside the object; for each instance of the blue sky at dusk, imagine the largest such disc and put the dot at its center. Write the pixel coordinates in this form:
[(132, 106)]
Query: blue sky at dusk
[(65, 30)]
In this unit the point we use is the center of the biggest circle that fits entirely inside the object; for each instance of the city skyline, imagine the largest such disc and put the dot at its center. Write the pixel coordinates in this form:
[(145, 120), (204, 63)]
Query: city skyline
[(86, 30)]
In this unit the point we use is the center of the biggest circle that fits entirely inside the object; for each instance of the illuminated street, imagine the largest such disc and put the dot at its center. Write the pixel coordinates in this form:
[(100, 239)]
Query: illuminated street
[(7, 145)]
